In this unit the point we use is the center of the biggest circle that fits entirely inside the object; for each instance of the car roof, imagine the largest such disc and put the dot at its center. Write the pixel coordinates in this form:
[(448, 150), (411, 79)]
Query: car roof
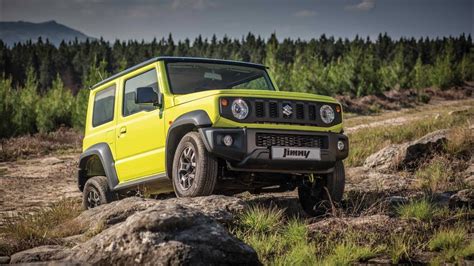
[(177, 59)]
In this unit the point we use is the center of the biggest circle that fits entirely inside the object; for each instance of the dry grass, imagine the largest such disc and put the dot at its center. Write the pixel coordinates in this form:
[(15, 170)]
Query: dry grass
[(45, 227), (61, 141), (366, 142)]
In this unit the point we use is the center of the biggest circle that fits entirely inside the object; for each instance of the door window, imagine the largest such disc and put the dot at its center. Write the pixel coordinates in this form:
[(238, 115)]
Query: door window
[(147, 79), (104, 102)]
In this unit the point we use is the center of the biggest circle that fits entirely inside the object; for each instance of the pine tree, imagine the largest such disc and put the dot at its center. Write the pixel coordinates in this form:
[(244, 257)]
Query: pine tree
[(27, 98), (54, 109), (96, 73)]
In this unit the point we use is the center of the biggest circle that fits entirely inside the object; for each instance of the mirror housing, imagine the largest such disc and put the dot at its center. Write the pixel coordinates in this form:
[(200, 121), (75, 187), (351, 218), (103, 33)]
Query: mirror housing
[(147, 95)]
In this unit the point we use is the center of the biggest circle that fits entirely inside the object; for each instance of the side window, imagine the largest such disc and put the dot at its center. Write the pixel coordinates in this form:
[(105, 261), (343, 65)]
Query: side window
[(104, 102), (147, 79)]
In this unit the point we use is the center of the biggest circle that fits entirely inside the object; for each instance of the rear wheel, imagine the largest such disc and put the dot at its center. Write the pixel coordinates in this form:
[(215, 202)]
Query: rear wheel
[(96, 192), (194, 169), (317, 197)]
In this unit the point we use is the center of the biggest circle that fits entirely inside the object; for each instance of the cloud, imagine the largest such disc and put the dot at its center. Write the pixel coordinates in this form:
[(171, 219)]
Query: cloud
[(364, 5), (305, 13), (193, 4)]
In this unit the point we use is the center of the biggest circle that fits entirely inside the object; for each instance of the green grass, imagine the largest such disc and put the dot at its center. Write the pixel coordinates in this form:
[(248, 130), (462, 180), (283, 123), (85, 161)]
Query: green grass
[(448, 239), (279, 240), (434, 175), (45, 227), (400, 247), (350, 252), (421, 210), (370, 140), (451, 244), (260, 220)]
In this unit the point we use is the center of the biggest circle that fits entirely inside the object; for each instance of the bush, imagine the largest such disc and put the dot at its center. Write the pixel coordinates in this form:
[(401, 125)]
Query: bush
[(54, 109)]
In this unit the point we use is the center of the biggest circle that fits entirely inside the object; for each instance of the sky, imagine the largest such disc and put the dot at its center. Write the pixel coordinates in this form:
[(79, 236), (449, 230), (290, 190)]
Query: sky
[(305, 19)]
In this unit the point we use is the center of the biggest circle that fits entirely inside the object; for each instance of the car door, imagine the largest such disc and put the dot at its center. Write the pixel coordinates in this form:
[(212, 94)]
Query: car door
[(140, 141)]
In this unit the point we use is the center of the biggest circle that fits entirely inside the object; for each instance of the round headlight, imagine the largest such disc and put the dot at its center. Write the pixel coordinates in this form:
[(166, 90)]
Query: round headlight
[(327, 114), (240, 109)]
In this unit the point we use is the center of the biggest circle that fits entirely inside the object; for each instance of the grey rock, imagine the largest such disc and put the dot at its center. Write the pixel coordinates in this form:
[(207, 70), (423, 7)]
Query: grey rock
[(423, 147), (384, 159), (221, 208), (470, 181), (442, 199), (51, 161), (41, 253), (396, 201), (115, 212), (165, 234), (463, 198), (4, 259), (407, 155), (146, 231), (366, 180)]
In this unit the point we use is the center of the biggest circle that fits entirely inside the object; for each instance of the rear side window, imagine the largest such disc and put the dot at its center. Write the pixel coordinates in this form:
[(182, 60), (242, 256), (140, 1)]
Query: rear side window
[(104, 102), (147, 79)]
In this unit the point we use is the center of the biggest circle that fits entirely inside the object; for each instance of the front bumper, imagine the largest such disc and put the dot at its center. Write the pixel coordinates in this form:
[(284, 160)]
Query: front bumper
[(245, 155)]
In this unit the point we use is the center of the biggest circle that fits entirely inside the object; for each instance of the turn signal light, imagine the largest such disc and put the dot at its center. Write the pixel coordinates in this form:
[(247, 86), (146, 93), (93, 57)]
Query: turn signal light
[(338, 108), (224, 102)]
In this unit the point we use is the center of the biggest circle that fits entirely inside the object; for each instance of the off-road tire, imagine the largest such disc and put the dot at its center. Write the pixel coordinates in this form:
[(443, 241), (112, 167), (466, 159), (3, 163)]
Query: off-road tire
[(206, 165), (319, 196), (98, 185)]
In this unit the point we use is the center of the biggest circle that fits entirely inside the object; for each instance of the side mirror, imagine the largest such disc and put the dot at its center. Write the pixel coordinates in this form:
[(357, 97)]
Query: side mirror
[(147, 95)]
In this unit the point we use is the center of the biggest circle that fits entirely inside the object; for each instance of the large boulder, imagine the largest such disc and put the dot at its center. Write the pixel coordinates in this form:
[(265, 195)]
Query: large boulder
[(147, 231), (220, 208), (407, 155), (42, 253), (165, 234)]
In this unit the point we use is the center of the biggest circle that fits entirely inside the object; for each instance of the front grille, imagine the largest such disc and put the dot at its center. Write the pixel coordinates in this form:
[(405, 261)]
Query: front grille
[(282, 111), (273, 109), (286, 140), (259, 109)]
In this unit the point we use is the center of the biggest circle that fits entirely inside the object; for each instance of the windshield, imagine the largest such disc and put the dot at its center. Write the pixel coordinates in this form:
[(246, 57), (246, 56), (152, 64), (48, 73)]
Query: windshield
[(189, 77)]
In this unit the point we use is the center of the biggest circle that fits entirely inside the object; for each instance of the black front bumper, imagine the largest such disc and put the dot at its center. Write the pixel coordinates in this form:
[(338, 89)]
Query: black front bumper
[(245, 155)]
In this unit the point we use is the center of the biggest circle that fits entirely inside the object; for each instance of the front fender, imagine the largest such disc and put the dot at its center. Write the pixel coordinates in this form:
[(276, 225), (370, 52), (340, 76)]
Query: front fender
[(182, 125)]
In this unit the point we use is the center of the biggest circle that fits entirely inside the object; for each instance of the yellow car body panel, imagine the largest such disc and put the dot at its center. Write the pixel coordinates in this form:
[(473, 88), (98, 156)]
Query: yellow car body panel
[(138, 141)]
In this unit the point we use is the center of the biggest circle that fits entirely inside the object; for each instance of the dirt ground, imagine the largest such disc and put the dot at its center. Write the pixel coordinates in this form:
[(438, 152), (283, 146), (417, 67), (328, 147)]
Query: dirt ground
[(29, 184)]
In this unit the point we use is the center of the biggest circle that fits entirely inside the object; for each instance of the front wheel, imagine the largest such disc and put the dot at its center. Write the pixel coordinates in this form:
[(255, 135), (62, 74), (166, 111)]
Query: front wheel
[(194, 169), (96, 192), (317, 197)]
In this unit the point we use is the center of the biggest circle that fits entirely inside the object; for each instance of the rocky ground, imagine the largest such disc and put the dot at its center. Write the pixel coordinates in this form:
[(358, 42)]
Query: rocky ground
[(177, 230)]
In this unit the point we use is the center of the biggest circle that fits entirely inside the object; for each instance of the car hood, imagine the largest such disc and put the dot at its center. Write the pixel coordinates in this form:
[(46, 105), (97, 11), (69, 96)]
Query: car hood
[(181, 99)]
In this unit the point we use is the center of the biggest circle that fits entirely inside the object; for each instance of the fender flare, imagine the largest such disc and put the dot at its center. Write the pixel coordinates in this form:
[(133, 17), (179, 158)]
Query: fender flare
[(103, 152), (182, 125)]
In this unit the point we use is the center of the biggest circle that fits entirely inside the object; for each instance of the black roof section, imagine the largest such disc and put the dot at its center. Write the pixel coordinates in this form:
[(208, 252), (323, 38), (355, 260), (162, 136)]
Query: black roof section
[(177, 59)]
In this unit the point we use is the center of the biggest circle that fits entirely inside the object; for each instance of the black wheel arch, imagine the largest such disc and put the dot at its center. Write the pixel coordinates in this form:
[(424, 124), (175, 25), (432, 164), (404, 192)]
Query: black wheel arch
[(97, 160), (180, 127)]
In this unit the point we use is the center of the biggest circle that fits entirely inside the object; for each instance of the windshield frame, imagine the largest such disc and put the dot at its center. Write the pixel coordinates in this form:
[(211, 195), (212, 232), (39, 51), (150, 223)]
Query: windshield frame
[(266, 76)]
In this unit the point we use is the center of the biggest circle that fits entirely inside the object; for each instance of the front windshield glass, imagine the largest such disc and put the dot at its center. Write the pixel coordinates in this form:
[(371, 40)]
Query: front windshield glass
[(189, 77)]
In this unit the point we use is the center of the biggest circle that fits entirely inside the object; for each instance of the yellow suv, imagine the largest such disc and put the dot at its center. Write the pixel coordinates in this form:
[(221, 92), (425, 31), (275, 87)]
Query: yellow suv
[(201, 126)]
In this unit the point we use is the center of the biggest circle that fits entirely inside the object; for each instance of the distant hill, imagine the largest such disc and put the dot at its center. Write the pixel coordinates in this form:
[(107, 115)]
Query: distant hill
[(22, 31)]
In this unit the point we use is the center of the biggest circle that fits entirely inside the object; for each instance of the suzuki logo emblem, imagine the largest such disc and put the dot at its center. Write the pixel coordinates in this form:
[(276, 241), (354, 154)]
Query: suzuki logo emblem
[(287, 110)]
